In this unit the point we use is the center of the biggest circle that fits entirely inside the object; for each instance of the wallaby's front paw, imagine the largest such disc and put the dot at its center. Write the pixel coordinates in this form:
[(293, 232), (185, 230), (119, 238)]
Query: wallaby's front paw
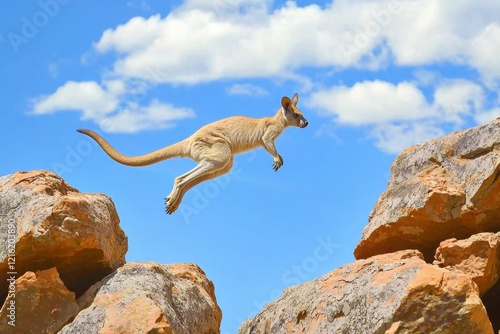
[(278, 162)]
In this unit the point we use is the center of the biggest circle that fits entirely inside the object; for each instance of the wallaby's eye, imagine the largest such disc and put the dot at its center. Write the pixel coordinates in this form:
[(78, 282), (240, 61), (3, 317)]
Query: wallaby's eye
[(296, 115)]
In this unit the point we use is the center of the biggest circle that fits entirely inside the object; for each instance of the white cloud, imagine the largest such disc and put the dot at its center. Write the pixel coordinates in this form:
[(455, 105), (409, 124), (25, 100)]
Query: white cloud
[(109, 106), (429, 31), (209, 40), (247, 89), (485, 51), (372, 102), (486, 116), (135, 35), (203, 41), (455, 99), (87, 96), (399, 115), (226, 7), (195, 44), (134, 118), (425, 78), (393, 138)]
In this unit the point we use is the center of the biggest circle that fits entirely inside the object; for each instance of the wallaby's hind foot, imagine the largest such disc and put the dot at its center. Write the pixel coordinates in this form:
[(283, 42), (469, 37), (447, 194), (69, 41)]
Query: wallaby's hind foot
[(169, 206)]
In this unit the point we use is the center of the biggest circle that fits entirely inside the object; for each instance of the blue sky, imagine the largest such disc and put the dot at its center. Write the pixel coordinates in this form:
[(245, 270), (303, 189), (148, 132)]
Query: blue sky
[(373, 78)]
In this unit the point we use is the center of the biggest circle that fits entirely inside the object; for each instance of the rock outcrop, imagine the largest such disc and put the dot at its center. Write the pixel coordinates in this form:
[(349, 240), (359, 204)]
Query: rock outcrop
[(441, 189), (41, 304), (149, 298), (429, 259), (478, 257), (57, 226), (60, 244), (391, 293)]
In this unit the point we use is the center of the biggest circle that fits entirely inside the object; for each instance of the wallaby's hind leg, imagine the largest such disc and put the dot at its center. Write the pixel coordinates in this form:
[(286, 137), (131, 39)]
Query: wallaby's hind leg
[(205, 177), (174, 200), (216, 162)]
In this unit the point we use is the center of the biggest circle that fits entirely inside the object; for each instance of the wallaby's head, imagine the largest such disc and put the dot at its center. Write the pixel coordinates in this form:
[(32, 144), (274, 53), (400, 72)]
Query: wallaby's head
[(293, 115)]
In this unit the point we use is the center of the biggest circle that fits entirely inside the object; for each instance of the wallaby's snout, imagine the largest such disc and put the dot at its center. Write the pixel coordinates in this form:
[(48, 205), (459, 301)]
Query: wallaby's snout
[(303, 123)]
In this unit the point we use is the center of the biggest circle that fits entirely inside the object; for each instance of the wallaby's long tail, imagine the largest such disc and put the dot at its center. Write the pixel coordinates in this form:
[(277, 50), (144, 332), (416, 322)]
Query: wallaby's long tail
[(175, 150)]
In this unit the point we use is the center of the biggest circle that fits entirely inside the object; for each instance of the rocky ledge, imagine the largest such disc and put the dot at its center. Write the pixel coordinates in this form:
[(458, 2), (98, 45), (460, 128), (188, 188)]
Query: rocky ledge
[(428, 260), (62, 268)]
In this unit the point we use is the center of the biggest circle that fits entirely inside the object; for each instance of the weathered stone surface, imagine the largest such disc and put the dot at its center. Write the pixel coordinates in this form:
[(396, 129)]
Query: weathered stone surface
[(441, 189), (57, 226), (149, 298), (41, 304), (385, 294), (477, 257)]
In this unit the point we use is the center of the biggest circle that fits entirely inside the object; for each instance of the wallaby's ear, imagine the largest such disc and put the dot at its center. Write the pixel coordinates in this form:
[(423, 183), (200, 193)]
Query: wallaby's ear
[(295, 99), (285, 103)]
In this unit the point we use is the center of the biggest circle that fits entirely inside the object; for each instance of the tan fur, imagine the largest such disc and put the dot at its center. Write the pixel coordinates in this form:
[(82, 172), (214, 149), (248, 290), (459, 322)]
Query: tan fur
[(214, 145)]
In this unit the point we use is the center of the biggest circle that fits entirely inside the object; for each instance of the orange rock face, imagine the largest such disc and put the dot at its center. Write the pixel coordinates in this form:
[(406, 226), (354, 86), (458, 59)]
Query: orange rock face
[(477, 257), (48, 224), (57, 226), (391, 293), (40, 304), (149, 298), (441, 189), (443, 204)]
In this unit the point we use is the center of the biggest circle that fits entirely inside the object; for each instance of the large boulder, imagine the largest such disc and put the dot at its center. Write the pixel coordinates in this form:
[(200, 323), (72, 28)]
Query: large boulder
[(441, 189), (61, 244), (429, 259), (390, 293), (46, 223), (149, 298), (478, 257), (38, 303)]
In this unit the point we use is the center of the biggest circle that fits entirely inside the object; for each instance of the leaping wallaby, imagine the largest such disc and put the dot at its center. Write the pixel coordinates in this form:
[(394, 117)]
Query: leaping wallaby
[(214, 145)]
